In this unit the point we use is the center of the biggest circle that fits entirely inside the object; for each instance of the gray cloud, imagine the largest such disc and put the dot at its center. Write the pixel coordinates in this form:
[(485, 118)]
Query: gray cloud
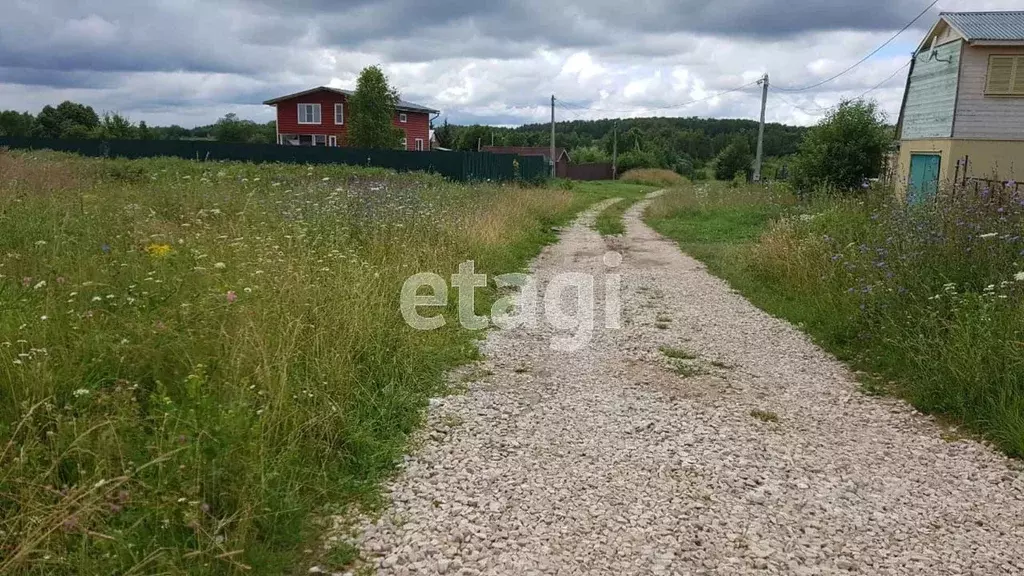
[(491, 61)]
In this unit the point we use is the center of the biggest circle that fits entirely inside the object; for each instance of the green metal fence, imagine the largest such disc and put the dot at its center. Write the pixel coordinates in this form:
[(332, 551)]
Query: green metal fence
[(460, 166)]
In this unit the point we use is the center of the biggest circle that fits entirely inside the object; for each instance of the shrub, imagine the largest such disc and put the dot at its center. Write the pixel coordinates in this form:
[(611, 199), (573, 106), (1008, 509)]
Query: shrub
[(845, 148), (653, 177), (635, 159), (734, 160)]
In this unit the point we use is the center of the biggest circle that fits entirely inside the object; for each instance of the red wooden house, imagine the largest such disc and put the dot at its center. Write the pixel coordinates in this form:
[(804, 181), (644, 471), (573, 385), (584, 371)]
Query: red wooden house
[(319, 117)]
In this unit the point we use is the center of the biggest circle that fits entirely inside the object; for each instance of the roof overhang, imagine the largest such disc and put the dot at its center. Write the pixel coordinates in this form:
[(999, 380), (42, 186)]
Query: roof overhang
[(402, 106)]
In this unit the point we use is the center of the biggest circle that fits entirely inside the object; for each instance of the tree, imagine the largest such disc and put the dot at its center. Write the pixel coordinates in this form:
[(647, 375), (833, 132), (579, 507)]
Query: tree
[(734, 159), (372, 112), (445, 135), (589, 154), (67, 120), (115, 127), (846, 147), (636, 159), (18, 124), (144, 132)]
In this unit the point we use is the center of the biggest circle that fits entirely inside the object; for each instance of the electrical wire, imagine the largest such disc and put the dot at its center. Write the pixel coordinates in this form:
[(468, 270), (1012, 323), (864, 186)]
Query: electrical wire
[(864, 59)]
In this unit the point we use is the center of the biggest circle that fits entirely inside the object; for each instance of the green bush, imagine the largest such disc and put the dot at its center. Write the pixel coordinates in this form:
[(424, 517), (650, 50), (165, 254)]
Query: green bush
[(734, 159), (847, 147)]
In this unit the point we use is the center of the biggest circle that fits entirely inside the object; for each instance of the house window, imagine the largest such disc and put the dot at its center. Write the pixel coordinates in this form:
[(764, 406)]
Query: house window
[(419, 144), (332, 141), (309, 113), (403, 118), (1005, 76), (339, 113), (405, 143)]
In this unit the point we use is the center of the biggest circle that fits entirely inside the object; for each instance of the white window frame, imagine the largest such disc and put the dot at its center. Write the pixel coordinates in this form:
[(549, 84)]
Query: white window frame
[(339, 110), (318, 137), (405, 143), (419, 144), (332, 141), (403, 117), (317, 117)]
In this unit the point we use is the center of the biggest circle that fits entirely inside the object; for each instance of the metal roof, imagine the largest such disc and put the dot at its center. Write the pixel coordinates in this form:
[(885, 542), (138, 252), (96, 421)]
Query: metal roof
[(402, 104), (987, 26)]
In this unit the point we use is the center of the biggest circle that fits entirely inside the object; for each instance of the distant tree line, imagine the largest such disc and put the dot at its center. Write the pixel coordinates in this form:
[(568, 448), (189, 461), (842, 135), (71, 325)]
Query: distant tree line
[(686, 145), (73, 120)]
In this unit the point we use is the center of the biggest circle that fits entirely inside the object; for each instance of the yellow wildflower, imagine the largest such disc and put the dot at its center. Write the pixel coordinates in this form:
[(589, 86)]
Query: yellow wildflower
[(159, 250)]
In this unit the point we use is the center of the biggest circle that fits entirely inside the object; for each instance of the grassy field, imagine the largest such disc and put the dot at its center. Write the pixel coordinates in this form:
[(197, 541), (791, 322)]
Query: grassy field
[(929, 300), (198, 360)]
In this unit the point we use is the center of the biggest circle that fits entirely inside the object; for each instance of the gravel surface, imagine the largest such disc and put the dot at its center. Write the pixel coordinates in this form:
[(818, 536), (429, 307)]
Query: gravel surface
[(617, 459)]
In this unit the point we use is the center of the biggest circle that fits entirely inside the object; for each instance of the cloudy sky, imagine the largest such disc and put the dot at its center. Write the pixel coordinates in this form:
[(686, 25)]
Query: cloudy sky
[(490, 61)]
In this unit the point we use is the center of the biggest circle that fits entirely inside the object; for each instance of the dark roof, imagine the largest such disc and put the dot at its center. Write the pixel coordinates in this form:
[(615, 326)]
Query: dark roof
[(402, 104), (987, 26), (544, 151)]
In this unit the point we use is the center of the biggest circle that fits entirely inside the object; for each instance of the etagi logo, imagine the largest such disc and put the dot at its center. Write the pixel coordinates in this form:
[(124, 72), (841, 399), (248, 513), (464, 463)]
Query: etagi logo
[(569, 303)]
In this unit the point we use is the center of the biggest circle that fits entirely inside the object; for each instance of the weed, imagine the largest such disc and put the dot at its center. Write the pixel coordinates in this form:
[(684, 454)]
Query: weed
[(927, 299), (687, 369), (661, 325), (199, 358), (342, 555), (722, 365), (653, 177), (765, 416), (677, 353)]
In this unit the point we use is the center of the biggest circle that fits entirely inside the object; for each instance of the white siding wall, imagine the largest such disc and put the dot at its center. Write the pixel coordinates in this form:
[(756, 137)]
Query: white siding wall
[(931, 97), (986, 117)]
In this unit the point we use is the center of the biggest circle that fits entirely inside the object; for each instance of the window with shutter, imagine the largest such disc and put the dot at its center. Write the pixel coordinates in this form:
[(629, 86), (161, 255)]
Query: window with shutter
[(1005, 76)]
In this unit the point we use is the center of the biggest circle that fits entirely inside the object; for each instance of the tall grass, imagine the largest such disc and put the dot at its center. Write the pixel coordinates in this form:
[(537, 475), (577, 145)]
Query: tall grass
[(928, 298), (653, 177), (197, 359)]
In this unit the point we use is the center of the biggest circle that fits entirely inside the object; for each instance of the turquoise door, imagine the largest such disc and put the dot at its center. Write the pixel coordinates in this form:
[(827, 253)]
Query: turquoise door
[(924, 177)]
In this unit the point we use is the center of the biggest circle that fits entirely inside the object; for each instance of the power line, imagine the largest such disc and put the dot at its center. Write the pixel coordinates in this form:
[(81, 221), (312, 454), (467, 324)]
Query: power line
[(822, 109), (864, 59)]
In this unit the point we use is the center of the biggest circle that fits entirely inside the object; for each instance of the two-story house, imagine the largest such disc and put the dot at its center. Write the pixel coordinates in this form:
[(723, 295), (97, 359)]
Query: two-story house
[(320, 117), (963, 110)]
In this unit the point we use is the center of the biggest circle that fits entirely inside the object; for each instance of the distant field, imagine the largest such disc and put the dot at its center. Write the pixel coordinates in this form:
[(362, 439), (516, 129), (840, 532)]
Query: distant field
[(927, 300), (199, 359)]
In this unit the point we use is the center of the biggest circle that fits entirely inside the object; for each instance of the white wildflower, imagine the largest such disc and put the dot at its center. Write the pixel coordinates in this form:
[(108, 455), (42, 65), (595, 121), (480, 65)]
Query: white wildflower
[(44, 318), (1019, 276), (81, 392), (220, 265), (97, 299), (989, 235), (41, 284)]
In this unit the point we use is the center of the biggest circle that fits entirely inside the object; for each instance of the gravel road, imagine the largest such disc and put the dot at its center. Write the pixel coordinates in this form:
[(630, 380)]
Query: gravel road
[(616, 459)]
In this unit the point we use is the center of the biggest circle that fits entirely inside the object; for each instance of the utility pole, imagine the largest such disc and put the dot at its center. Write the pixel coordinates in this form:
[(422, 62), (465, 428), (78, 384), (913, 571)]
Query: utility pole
[(760, 130), (615, 152), (554, 173)]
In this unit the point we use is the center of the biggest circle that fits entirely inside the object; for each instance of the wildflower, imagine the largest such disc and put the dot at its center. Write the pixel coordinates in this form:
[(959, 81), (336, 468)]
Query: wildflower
[(159, 250), (41, 284), (248, 290), (989, 235), (220, 265), (80, 392), (40, 242), (1019, 276), (44, 318), (232, 296), (26, 281), (97, 299)]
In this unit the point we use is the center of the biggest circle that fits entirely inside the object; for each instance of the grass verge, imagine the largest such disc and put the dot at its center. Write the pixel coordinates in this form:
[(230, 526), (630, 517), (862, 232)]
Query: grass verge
[(197, 360), (927, 300)]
